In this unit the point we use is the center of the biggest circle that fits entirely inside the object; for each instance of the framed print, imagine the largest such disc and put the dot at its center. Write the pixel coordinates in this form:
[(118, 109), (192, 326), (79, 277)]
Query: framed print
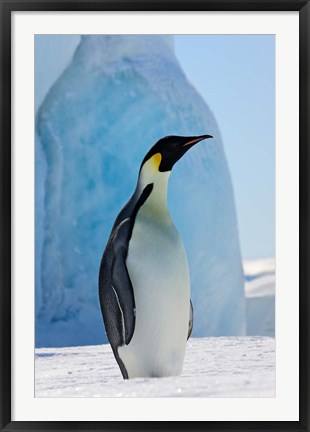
[(154, 215)]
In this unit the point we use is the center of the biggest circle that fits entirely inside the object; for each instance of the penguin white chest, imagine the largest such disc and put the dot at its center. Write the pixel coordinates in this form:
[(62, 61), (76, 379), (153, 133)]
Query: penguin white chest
[(158, 269)]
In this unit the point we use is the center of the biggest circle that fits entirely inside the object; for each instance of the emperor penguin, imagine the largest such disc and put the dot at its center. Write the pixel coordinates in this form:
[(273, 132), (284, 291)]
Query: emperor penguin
[(144, 283)]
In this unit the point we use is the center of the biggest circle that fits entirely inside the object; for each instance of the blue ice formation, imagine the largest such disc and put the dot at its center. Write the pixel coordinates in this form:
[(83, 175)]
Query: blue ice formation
[(117, 97)]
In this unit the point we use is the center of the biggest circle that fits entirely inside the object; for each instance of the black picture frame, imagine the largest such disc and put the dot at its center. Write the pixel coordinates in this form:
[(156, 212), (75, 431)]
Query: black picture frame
[(7, 7)]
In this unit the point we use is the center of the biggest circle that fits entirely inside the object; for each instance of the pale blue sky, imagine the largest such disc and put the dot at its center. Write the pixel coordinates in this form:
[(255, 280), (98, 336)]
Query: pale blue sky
[(235, 74)]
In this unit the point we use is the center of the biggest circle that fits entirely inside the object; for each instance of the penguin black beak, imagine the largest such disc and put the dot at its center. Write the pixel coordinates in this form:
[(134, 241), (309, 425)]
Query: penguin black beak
[(196, 140)]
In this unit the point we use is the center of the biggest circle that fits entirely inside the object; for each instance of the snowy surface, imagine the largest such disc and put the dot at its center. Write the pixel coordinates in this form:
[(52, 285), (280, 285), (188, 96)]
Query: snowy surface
[(116, 98), (214, 367)]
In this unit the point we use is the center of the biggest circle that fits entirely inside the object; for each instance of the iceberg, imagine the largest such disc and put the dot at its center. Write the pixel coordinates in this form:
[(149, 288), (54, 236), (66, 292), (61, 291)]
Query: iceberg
[(116, 98)]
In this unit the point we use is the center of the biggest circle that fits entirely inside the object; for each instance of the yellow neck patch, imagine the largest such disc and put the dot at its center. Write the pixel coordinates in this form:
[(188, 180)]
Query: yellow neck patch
[(156, 159)]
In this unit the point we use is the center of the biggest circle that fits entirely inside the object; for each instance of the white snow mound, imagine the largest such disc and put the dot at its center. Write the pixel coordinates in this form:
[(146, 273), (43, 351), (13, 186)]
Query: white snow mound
[(260, 282), (214, 367)]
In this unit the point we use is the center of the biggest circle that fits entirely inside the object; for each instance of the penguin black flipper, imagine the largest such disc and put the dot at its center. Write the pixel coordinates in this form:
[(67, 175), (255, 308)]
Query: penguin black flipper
[(115, 289), (121, 284), (116, 292), (191, 320)]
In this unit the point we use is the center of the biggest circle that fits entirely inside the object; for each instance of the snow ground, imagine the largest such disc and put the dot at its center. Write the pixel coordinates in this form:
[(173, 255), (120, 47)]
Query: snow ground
[(214, 367)]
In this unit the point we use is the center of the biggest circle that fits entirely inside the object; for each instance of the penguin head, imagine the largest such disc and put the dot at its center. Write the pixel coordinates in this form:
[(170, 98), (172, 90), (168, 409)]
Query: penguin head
[(166, 152)]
